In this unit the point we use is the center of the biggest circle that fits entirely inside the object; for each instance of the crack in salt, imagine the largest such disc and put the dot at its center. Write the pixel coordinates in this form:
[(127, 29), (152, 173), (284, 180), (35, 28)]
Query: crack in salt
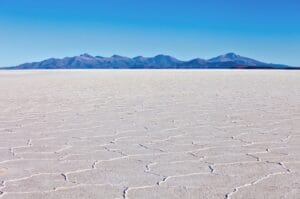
[(125, 192), (212, 170), (253, 156), (166, 178), (64, 176), (236, 189), (94, 166)]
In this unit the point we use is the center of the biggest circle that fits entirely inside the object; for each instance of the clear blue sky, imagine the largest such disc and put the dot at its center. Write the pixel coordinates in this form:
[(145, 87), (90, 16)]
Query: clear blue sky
[(32, 30)]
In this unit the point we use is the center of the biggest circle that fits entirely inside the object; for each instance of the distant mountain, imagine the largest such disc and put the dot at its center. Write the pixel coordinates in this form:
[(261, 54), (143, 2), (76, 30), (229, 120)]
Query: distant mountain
[(86, 61)]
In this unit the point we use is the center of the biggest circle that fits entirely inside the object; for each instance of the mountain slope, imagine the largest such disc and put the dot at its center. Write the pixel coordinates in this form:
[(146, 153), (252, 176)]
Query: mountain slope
[(86, 61)]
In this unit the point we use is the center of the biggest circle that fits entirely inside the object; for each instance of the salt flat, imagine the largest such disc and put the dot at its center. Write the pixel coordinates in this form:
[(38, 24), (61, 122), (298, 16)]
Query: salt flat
[(149, 134)]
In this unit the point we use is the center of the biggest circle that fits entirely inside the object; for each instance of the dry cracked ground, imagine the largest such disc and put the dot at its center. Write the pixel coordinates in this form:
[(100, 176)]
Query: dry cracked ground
[(149, 134)]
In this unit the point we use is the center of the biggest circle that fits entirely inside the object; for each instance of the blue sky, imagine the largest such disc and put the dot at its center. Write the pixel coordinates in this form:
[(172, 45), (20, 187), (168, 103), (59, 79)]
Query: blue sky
[(32, 30)]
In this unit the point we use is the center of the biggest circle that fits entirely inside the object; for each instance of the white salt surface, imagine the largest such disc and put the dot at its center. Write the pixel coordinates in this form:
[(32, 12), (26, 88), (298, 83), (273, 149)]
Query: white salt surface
[(149, 134)]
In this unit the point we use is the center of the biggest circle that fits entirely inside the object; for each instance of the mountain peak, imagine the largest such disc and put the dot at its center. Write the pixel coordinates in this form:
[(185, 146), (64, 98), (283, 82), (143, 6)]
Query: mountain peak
[(163, 56), (139, 58), (117, 57), (226, 58), (231, 55), (86, 55)]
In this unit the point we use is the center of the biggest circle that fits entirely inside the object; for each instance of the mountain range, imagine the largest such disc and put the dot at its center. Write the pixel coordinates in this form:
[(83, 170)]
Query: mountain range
[(86, 61)]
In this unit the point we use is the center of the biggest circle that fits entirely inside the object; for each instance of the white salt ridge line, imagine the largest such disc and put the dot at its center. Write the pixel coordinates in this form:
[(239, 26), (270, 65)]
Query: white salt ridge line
[(236, 189), (165, 179), (227, 196)]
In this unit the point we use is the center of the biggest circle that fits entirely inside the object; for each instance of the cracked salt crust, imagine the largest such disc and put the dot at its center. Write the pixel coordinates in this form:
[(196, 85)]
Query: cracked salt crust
[(149, 134)]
